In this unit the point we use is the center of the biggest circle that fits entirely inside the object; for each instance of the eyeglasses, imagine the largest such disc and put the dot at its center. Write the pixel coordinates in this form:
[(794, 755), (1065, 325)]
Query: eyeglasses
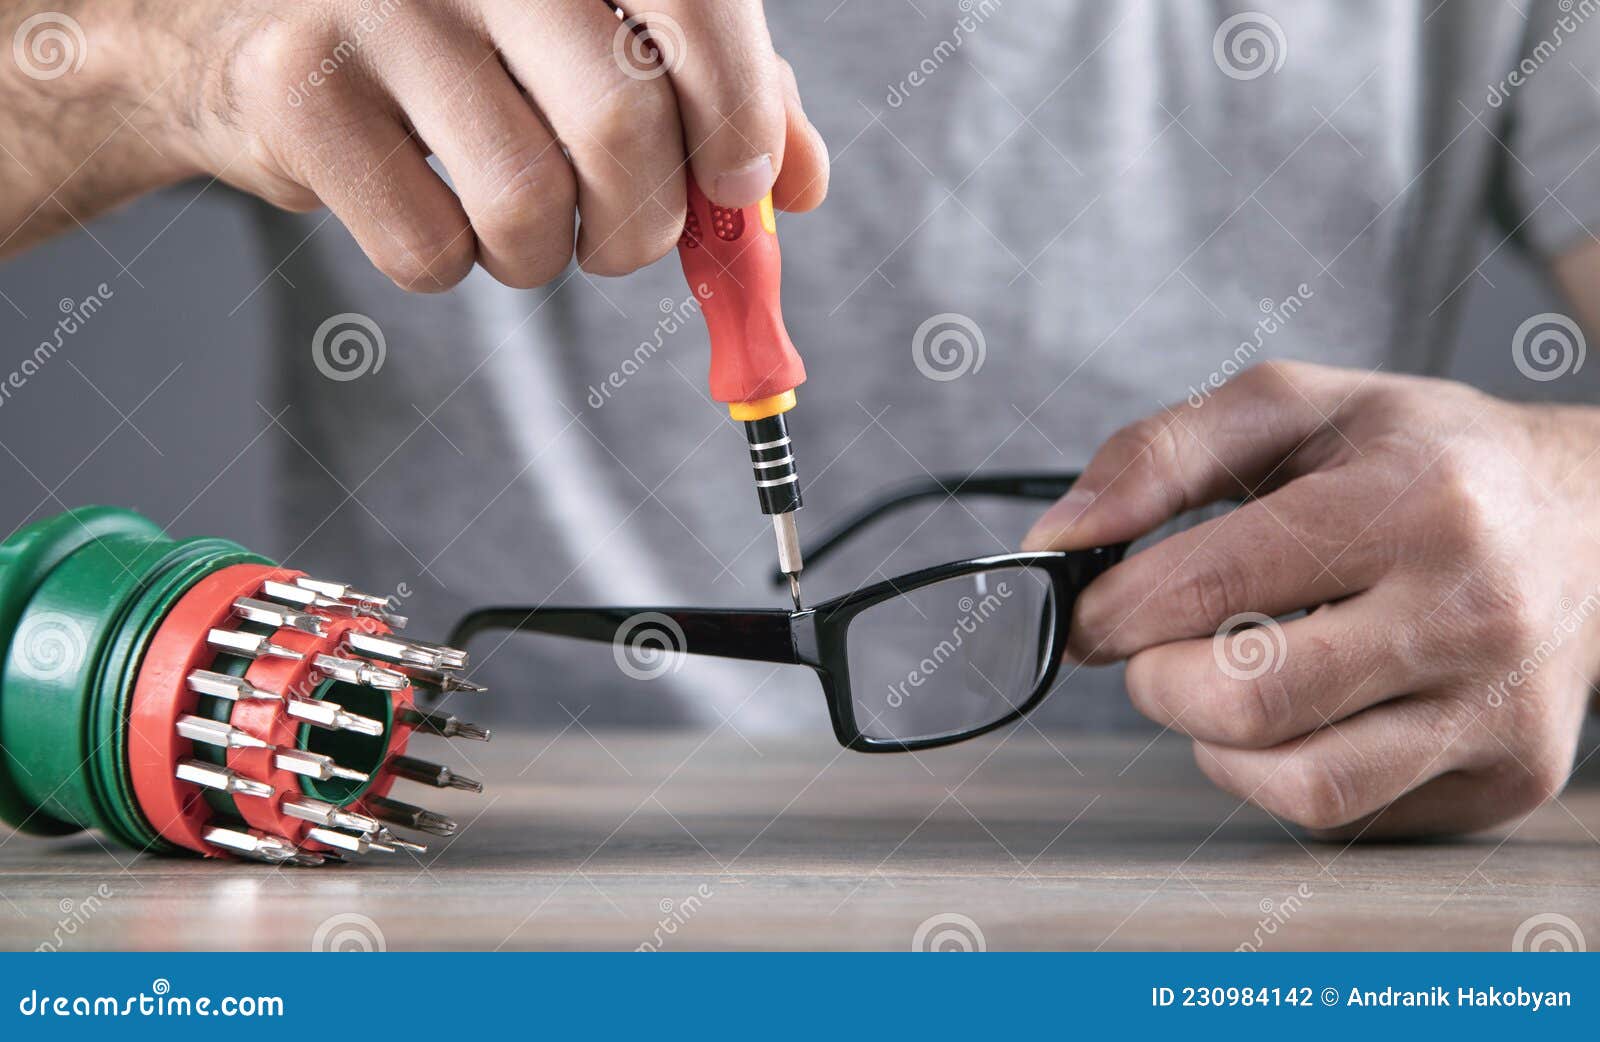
[(929, 658)]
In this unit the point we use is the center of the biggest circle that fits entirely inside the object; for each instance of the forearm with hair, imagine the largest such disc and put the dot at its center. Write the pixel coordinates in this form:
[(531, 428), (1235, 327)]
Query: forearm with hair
[(77, 143)]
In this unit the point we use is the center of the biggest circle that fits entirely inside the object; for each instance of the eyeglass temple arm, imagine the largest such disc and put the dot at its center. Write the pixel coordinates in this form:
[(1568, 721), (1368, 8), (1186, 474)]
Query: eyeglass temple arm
[(754, 635), (1044, 486)]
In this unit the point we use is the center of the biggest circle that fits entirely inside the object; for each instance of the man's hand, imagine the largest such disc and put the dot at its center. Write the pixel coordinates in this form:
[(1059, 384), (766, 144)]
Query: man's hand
[(539, 110), (1446, 546)]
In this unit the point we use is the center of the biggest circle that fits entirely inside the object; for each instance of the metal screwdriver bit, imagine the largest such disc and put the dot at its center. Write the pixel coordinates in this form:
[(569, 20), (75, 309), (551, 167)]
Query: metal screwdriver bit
[(269, 614), (435, 774), (442, 724), (314, 765), (440, 681), (331, 716), (385, 836), (342, 592), (451, 658), (288, 593), (411, 817), (405, 652), (321, 813), (234, 689), (355, 671), (220, 778), (218, 733), (788, 536), (253, 844), (345, 841), (250, 645)]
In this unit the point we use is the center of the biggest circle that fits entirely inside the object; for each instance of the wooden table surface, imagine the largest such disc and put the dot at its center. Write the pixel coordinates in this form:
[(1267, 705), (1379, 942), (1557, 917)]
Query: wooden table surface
[(691, 841)]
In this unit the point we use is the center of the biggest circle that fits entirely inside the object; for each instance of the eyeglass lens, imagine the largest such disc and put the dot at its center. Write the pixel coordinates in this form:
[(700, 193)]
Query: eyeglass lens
[(950, 656)]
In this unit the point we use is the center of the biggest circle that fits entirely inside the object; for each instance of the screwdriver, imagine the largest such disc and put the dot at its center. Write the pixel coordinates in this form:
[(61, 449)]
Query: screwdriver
[(732, 263)]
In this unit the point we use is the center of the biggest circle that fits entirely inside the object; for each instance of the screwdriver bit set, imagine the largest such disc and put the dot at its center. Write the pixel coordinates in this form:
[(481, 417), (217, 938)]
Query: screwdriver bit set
[(190, 695)]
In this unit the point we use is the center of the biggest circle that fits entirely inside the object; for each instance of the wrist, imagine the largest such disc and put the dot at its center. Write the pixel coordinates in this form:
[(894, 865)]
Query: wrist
[(1562, 454), (1566, 463), (139, 77)]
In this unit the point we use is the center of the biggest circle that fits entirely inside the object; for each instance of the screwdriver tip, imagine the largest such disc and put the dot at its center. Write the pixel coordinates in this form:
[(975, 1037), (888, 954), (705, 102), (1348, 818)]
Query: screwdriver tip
[(794, 590), (385, 836), (466, 784)]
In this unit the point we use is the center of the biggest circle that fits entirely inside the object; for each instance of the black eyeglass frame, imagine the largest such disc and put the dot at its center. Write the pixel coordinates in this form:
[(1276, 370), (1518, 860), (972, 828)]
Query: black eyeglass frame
[(818, 636)]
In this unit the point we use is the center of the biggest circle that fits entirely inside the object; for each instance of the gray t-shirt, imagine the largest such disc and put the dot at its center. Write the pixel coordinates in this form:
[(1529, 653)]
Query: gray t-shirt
[(1119, 199)]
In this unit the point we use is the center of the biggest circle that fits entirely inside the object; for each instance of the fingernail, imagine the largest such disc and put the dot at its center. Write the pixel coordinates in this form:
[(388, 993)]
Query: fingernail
[(745, 186), (1055, 522)]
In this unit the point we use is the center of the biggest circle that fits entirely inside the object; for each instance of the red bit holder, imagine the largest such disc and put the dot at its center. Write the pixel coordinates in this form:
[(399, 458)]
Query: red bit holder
[(293, 803), (161, 696)]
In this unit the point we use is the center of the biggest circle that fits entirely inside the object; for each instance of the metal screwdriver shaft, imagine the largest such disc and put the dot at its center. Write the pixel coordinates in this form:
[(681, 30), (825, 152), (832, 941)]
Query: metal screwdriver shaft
[(234, 689), (442, 724), (323, 813), (249, 645), (301, 597), (398, 813), (220, 778), (778, 489), (269, 614), (435, 774)]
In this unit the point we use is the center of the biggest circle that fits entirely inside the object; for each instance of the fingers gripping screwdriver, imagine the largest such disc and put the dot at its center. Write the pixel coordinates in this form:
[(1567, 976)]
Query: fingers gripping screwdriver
[(731, 260)]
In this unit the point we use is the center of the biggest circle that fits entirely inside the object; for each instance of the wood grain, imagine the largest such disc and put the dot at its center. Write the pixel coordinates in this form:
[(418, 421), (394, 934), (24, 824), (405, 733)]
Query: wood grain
[(690, 841)]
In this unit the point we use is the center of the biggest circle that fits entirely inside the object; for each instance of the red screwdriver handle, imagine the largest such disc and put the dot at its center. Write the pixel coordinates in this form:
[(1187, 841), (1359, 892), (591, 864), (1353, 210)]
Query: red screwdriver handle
[(734, 268)]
